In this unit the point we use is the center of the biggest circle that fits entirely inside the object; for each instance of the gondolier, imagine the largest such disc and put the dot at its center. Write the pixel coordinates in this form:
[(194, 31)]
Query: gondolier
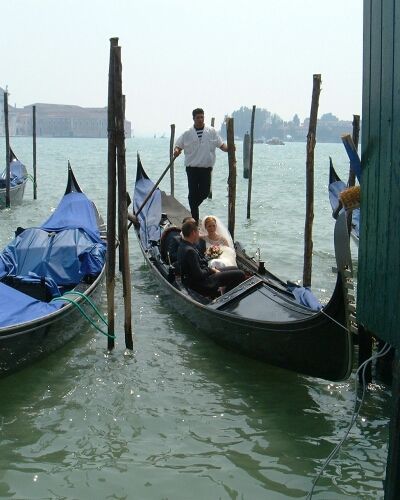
[(199, 144)]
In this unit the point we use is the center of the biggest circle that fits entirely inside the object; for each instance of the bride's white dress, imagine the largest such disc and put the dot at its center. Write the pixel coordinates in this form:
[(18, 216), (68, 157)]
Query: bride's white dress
[(225, 243)]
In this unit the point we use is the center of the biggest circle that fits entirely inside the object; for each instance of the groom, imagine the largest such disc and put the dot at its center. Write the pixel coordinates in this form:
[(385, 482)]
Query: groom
[(195, 272)]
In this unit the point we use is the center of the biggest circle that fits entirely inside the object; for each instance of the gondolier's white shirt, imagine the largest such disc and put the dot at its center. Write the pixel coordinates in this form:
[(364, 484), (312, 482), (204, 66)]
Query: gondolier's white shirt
[(199, 152)]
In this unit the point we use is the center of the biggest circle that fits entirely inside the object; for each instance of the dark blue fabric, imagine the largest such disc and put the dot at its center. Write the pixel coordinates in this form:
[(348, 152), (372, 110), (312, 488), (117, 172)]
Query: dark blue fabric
[(92, 260), (75, 210), (335, 188), (150, 216), (16, 307), (63, 256), (305, 297), (355, 162), (50, 284), (18, 174)]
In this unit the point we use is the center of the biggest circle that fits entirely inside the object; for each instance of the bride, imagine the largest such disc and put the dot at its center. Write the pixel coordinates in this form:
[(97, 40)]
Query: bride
[(215, 234)]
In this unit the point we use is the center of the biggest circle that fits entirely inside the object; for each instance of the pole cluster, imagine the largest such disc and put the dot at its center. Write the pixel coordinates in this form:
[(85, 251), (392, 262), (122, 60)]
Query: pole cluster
[(117, 172)]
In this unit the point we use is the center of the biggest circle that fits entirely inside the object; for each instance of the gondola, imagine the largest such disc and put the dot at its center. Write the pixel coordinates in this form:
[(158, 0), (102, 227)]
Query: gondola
[(47, 274), (261, 317), (336, 186), (18, 180)]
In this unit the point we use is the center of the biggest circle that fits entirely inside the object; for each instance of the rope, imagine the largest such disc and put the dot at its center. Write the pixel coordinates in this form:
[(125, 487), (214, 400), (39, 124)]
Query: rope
[(89, 301), (66, 299), (334, 320), (385, 349), (30, 177)]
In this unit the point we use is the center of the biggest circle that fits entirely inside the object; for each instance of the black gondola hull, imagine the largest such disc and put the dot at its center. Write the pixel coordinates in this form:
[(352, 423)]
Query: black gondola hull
[(23, 344), (316, 346)]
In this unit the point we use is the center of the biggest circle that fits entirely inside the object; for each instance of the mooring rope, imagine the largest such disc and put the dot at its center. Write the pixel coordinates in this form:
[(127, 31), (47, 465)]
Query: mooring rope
[(71, 301)]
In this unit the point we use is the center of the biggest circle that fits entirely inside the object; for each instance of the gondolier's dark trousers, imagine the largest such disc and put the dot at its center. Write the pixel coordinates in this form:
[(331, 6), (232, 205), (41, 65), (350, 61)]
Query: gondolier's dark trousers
[(199, 183)]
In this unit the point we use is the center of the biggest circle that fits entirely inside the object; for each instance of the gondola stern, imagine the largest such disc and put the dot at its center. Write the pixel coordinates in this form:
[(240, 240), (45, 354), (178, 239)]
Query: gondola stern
[(72, 183), (140, 171)]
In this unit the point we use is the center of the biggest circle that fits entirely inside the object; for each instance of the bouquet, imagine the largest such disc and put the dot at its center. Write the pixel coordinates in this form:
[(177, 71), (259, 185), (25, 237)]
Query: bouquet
[(213, 252)]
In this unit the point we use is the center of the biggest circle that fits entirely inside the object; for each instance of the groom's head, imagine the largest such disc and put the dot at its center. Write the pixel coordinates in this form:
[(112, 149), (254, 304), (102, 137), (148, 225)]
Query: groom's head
[(190, 231)]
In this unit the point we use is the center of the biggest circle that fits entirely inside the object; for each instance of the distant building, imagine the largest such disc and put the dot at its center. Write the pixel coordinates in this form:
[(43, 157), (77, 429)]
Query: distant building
[(57, 120)]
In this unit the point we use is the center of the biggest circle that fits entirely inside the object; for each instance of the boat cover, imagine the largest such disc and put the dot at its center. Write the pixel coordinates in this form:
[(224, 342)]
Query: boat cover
[(75, 210), (18, 174), (66, 256), (150, 215), (21, 308), (66, 248)]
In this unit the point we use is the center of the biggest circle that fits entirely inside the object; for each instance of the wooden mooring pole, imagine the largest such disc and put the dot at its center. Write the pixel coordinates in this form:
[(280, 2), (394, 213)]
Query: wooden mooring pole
[(250, 184), (171, 156), (311, 139), (111, 199), (352, 176), (246, 155), (34, 152), (210, 192), (119, 108), (356, 137), (230, 135), (7, 134)]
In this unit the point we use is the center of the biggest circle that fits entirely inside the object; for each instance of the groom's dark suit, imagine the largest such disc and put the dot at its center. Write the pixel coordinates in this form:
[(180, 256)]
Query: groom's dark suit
[(196, 274)]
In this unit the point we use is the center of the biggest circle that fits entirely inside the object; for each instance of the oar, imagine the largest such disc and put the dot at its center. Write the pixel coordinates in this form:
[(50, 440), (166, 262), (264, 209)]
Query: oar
[(152, 190)]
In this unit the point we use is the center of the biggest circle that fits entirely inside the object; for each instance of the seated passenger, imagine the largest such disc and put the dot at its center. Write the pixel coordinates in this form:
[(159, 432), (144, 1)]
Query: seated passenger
[(219, 243), (194, 269), (170, 241)]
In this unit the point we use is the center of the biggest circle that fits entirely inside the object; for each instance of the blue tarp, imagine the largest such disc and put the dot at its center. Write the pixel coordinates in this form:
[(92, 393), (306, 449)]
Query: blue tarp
[(305, 297), (65, 256), (18, 174), (335, 188), (65, 249), (16, 307), (150, 216), (75, 210)]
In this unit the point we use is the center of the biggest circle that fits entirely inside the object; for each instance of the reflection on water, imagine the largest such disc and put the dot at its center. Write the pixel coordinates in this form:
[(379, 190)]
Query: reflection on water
[(184, 418)]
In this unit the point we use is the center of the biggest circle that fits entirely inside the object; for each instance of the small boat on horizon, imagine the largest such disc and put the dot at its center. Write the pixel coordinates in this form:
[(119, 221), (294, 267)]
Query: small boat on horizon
[(274, 141)]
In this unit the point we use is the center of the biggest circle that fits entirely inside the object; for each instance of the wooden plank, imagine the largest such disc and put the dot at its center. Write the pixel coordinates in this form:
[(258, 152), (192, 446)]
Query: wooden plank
[(7, 135), (249, 186), (393, 261), (210, 195), (171, 155), (311, 140), (230, 135), (382, 270), (371, 148), (122, 197), (111, 200), (34, 152)]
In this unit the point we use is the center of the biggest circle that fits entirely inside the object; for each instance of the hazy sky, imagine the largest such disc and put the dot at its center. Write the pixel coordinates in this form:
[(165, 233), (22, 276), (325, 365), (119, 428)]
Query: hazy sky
[(181, 54)]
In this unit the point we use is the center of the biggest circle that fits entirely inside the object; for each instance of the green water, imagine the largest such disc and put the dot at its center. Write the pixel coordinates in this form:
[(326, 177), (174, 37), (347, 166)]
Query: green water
[(183, 418)]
